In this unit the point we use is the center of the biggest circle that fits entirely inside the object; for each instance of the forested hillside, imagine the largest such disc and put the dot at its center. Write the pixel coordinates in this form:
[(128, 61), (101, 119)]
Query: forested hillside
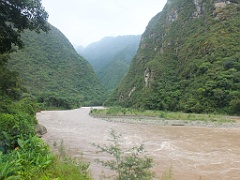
[(52, 71), (111, 57), (188, 60)]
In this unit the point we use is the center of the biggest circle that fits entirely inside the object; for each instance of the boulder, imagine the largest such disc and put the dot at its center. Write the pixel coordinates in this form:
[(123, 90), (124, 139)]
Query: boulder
[(40, 130)]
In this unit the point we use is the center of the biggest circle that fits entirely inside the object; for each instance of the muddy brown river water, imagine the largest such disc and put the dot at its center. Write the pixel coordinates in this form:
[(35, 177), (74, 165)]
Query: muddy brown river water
[(192, 153)]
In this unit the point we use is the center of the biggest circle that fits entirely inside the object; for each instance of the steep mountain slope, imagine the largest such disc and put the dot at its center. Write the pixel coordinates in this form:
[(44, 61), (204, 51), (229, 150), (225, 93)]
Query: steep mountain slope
[(188, 60), (53, 71), (111, 57)]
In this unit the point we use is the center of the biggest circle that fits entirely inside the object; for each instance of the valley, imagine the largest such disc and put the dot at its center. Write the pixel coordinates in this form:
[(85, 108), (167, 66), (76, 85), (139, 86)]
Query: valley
[(187, 61), (190, 152), (110, 57)]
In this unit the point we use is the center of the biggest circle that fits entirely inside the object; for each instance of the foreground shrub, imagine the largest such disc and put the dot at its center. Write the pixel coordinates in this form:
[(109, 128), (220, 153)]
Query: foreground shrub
[(32, 159), (128, 164), (12, 127), (31, 156), (235, 106), (17, 119)]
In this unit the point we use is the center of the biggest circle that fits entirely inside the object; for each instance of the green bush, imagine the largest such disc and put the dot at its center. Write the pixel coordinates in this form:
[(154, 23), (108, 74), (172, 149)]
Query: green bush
[(30, 156), (128, 164), (235, 106), (12, 127), (32, 159)]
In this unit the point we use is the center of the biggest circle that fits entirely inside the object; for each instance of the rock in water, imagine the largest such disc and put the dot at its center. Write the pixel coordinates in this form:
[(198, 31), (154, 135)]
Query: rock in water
[(40, 130)]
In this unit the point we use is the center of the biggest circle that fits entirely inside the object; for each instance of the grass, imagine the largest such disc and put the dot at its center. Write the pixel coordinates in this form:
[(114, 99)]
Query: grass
[(33, 160), (65, 170), (168, 175), (119, 111), (65, 167)]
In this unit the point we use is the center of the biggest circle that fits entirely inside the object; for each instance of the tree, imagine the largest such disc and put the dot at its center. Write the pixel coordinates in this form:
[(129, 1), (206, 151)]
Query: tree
[(127, 164), (15, 17)]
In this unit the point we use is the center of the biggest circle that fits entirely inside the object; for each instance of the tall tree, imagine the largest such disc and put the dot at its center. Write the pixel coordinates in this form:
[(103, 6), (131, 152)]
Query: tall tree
[(15, 16)]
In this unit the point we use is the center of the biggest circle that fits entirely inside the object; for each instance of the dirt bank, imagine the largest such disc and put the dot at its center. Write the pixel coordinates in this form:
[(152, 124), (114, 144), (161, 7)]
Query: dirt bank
[(191, 152)]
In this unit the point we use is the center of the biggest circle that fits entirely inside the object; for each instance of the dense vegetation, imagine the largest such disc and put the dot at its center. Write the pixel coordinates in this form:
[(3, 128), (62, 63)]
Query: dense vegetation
[(188, 60), (52, 71), (17, 114), (144, 115), (22, 154), (111, 58)]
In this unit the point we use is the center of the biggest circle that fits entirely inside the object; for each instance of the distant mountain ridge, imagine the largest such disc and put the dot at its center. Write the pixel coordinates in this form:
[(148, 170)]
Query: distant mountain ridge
[(110, 57), (54, 72), (188, 60)]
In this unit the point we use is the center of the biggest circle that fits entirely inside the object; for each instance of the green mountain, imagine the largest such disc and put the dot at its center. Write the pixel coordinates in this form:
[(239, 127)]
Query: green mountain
[(110, 57), (53, 71), (188, 60)]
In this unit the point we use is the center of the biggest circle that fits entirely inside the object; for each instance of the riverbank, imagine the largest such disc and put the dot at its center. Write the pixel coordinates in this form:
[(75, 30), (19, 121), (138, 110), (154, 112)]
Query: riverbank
[(144, 120)]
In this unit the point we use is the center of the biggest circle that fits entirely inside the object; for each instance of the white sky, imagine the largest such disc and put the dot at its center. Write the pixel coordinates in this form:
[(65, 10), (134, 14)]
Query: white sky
[(87, 21)]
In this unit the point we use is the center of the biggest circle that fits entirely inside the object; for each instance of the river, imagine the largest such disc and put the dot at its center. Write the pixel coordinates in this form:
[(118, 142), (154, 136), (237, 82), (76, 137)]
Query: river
[(192, 153)]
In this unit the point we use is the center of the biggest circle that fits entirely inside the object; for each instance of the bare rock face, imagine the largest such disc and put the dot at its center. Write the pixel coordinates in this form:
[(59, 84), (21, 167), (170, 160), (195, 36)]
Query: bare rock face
[(148, 77), (220, 3), (199, 8), (173, 16), (121, 97), (40, 130), (131, 91), (219, 6)]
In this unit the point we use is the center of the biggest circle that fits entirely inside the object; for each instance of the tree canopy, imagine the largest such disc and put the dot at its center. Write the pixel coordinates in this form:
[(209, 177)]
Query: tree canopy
[(15, 16)]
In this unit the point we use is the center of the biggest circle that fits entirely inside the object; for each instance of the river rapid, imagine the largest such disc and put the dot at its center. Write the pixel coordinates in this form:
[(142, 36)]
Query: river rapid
[(191, 152)]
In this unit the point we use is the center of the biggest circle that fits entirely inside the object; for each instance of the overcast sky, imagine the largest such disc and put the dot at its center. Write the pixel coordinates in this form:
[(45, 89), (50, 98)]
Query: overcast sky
[(87, 21)]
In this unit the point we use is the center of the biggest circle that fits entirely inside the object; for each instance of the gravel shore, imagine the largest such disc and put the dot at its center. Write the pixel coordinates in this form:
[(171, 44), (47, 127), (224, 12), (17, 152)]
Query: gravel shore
[(163, 122)]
